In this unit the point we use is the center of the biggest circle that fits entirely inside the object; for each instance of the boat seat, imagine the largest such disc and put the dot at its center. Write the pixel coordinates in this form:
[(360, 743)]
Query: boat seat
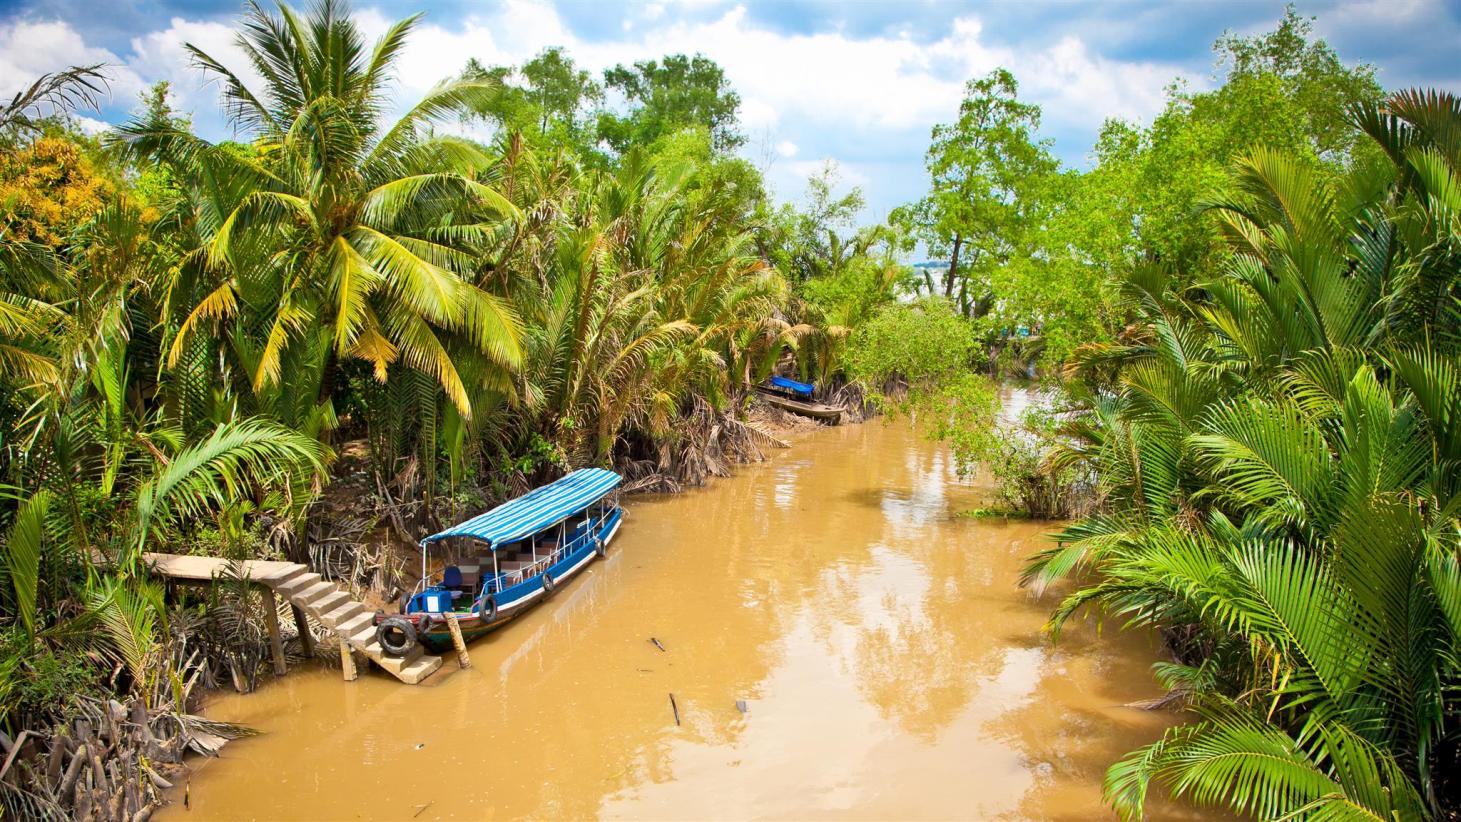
[(451, 580), (471, 580)]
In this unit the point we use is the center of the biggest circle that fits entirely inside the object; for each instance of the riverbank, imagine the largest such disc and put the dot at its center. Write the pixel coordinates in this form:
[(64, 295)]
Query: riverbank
[(885, 657)]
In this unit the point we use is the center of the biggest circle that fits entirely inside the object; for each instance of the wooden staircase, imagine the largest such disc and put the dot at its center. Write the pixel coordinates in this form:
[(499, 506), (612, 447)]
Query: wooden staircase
[(317, 597)]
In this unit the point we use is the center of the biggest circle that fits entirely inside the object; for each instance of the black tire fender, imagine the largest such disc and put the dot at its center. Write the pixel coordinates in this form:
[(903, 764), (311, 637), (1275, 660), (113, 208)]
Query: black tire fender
[(396, 635), (549, 583), (487, 608), (600, 547)]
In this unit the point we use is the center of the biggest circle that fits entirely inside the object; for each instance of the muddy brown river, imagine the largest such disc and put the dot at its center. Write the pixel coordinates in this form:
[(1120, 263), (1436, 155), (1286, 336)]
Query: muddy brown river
[(889, 665)]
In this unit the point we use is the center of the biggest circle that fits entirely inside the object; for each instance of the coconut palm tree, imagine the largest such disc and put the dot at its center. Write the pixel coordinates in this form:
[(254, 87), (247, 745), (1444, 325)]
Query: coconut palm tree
[(331, 237)]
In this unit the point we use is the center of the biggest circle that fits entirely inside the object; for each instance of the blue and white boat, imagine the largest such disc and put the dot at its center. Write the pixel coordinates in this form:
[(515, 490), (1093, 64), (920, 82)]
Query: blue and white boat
[(508, 560)]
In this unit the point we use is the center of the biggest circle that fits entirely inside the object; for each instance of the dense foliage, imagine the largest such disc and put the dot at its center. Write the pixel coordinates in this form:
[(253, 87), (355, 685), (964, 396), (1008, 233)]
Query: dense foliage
[(1278, 446), (1249, 316), (1245, 315), (192, 333)]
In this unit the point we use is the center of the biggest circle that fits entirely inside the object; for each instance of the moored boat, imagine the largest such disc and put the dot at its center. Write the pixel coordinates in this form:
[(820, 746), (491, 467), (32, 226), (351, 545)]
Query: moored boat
[(517, 555), (796, 397)]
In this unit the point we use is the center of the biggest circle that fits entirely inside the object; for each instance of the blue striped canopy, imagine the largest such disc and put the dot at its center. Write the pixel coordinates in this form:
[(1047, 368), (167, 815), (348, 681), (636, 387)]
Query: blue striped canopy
[(537, 509)]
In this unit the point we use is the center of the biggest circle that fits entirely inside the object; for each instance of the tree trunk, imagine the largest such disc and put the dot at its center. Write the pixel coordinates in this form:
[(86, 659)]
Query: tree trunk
[(953, 268)]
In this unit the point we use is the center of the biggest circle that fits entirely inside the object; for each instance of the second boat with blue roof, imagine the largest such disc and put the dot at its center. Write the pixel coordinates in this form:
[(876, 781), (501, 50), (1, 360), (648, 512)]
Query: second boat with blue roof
[(503, 562)]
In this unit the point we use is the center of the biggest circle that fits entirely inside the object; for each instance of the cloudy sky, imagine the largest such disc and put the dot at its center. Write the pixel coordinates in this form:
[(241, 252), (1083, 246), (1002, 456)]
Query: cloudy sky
[(860, 82)]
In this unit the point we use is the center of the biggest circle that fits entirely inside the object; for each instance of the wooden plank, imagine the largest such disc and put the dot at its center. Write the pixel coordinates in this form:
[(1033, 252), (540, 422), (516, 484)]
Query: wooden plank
[(301, 624), (347, 662), (276, 640), (456, 639)]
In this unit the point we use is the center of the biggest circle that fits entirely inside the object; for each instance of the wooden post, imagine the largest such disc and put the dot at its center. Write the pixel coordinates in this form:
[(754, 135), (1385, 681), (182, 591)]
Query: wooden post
[(456, 639), (276, 641), (301, 623), (347, 661)]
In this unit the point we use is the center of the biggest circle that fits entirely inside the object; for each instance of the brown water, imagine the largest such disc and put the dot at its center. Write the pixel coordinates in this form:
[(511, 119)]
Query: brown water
[(890, 667)]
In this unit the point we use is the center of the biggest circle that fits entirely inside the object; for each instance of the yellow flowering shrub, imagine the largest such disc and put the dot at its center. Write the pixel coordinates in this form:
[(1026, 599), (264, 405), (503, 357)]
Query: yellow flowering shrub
[(46, 189)]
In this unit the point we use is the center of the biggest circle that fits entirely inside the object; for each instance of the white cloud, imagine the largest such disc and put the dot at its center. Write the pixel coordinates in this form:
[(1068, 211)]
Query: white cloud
[(805, 92), (90, 125), (29, 49), (879, 82), (162, 55)]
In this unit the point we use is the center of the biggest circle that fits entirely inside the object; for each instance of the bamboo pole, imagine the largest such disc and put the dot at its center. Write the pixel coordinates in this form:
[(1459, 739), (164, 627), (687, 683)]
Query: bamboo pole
[(456, 639), (276, 640)]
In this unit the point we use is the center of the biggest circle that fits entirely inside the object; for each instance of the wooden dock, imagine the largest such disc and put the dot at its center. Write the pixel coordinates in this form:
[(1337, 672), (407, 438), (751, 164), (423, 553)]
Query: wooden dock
[(308, 594)]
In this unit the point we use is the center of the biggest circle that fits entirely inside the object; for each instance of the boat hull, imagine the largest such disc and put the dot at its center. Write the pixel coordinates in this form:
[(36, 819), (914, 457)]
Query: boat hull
[(815, 410)]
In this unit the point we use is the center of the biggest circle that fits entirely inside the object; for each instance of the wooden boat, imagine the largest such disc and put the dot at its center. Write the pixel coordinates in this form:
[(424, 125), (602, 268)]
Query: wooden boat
[(796, 397), (818, 410), (520, 553)]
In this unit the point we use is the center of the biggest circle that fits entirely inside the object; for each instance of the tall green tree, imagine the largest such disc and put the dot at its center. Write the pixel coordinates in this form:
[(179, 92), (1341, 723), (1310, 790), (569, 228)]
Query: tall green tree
[(984, 168), (1280, 90), (664, 96), (548, 96)]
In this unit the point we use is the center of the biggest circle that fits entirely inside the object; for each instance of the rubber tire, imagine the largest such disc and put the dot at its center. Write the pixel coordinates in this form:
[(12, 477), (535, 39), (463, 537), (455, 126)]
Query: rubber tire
[(487, 608), (549, 584), (600, 547), (383, 635)]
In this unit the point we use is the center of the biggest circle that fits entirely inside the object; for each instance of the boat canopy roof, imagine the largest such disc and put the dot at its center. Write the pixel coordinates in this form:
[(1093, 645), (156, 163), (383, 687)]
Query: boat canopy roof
[(535, 510), (793, 385)]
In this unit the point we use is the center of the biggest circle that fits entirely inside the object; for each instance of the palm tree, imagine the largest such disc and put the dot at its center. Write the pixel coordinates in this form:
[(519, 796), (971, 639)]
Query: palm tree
[(1279, 450), (329, 237), (60, 92)]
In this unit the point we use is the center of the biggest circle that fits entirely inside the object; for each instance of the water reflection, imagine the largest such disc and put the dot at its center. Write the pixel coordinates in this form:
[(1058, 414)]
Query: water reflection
[(890, 667)]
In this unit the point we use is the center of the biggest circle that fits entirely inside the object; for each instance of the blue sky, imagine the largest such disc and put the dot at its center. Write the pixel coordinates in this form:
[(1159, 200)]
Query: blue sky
[(860, 83)]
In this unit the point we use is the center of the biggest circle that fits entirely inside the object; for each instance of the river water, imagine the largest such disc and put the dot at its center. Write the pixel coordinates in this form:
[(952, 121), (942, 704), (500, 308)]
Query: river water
[(889, 666)]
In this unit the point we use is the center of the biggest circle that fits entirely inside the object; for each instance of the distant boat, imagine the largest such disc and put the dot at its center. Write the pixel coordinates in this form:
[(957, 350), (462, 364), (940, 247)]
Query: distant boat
[(519, 553), (796, 397)]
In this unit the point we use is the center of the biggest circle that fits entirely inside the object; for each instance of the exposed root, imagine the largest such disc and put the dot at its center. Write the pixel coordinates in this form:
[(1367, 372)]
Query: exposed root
[(111, 761)]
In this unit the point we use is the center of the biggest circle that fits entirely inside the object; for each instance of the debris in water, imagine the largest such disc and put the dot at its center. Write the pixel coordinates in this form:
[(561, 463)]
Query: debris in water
[(656, 643), (420, 745), (741, 705), (420, 808), (676, 709), (645, 670)]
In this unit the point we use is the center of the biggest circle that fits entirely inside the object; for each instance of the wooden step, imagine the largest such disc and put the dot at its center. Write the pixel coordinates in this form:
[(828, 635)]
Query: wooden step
[(331, 600), (297, 584), (394, 664), (314, 592), (419, 669), (343, 614), (353, 625), (274, 580)]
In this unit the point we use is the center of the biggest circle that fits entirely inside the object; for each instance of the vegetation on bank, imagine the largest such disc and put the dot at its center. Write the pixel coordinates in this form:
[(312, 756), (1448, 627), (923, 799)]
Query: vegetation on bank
[(338, 331), (200, 338), (1250, 313)]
